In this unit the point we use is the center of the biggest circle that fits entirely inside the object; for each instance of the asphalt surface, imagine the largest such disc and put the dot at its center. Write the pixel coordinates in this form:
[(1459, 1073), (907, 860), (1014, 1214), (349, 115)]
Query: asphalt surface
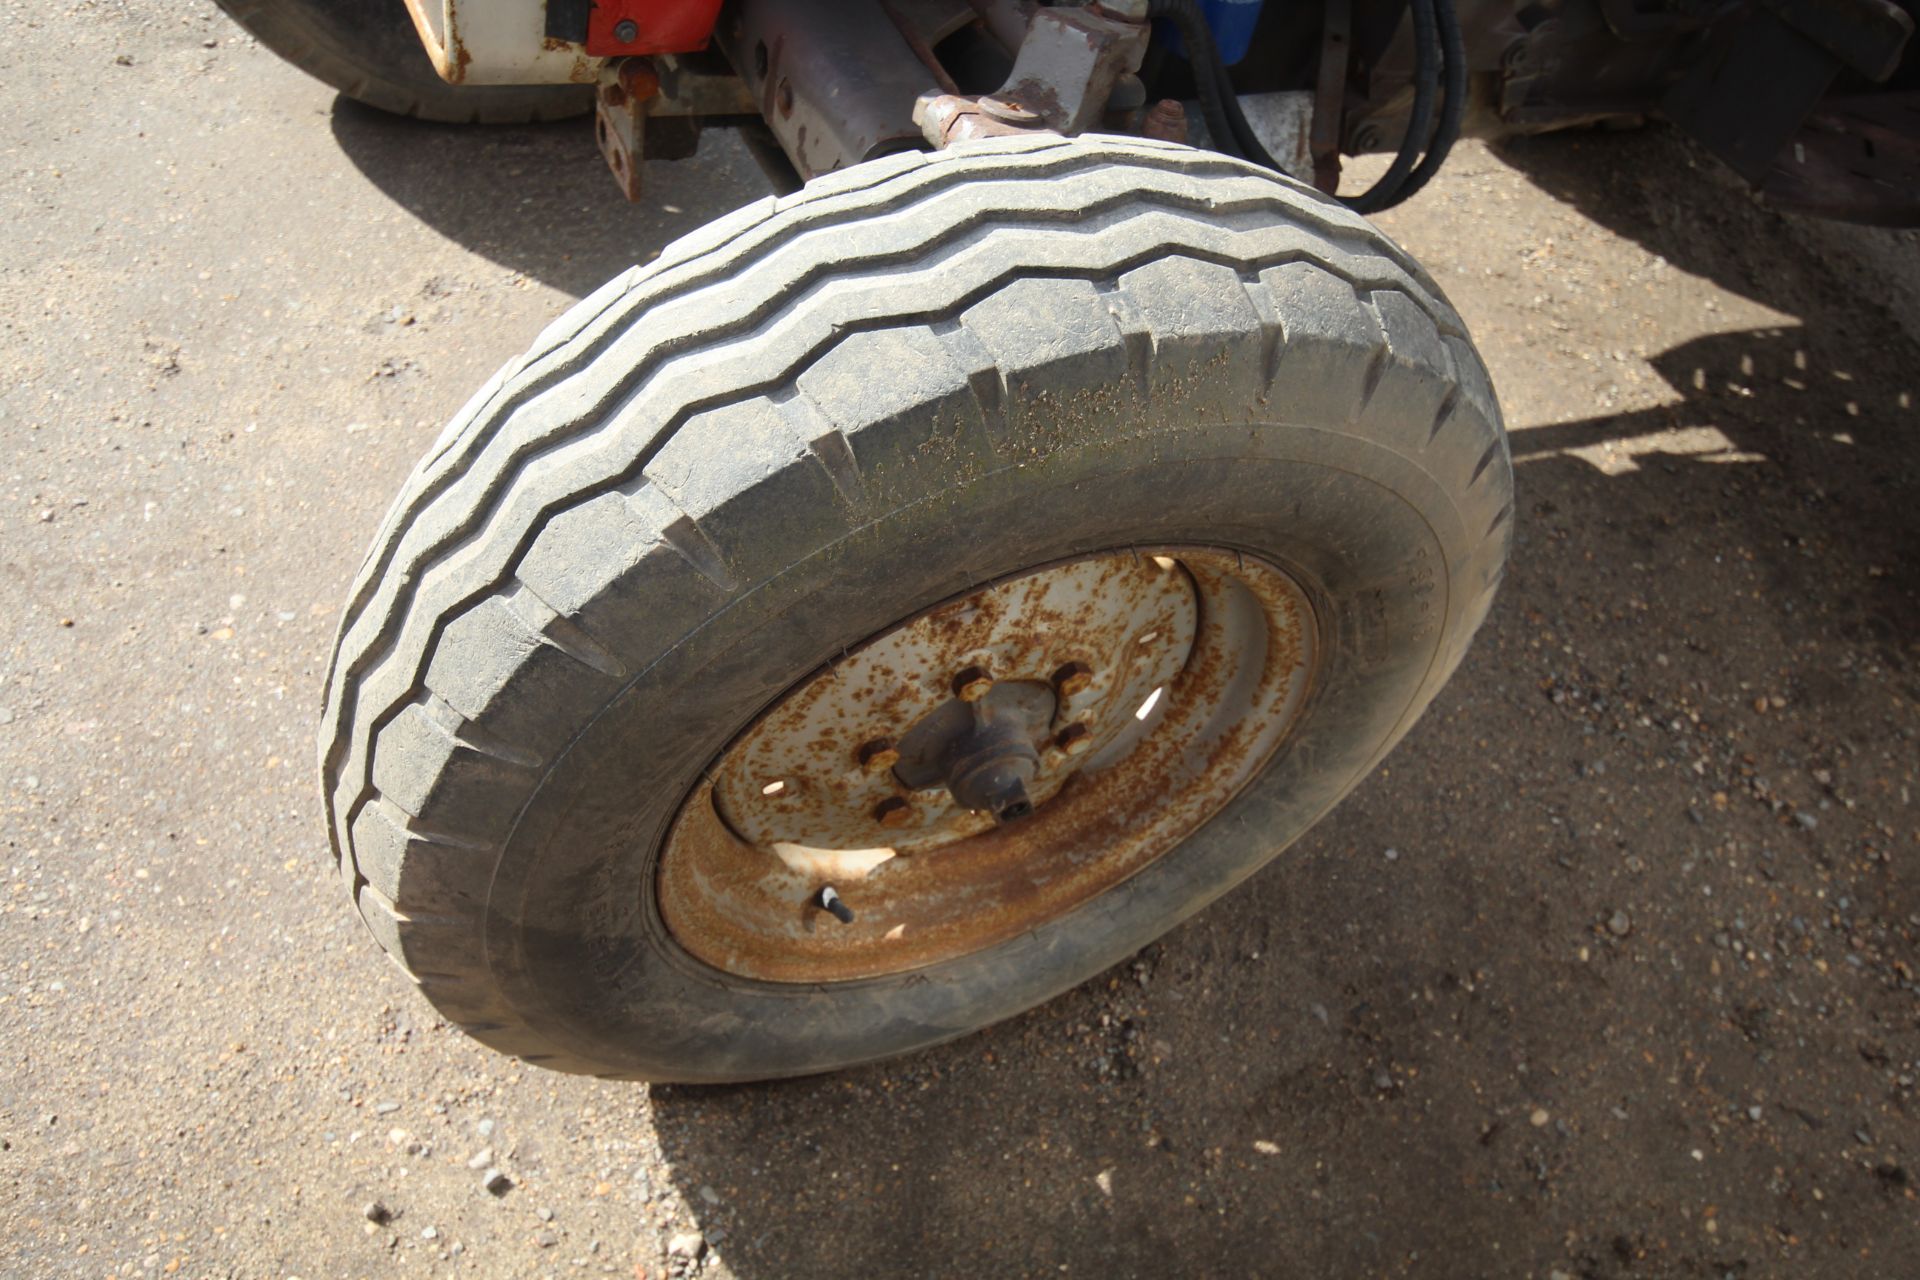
[(1608, 972)]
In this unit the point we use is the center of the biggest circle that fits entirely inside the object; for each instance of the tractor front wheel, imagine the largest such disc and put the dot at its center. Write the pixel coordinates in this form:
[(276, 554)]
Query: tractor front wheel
[(902, 601)]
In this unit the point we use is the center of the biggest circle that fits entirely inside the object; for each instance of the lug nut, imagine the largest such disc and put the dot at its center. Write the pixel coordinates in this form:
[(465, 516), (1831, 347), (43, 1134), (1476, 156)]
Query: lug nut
[(879, 755), (1072, 678), (1075, 739), (972, 684), (894, 811)]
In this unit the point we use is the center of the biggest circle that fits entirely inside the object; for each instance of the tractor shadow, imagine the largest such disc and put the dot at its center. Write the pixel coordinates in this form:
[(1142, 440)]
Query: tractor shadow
[(538, 199), (1445, 1061), (1655, 186)]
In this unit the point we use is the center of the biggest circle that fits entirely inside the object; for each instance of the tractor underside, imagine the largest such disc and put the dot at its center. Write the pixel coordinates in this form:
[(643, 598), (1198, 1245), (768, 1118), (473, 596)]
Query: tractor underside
[(1816, 103)]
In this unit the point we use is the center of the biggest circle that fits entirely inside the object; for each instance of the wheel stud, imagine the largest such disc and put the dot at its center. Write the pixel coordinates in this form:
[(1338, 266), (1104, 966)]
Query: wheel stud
[(879, 755), (1075, 739), (972, 684), (1072, 678), (836, 905), (894, 811)]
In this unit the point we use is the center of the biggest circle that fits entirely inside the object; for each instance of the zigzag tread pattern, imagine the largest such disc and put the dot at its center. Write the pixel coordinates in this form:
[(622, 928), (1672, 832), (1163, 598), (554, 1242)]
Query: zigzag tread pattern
[(507, 469)]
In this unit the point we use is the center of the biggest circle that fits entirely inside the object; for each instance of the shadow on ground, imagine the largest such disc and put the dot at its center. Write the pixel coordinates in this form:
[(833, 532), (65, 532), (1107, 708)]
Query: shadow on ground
[(1658, 188), (571, 228)]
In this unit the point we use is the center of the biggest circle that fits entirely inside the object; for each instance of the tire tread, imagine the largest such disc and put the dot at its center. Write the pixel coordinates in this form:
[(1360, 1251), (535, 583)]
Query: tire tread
[(575, 470)]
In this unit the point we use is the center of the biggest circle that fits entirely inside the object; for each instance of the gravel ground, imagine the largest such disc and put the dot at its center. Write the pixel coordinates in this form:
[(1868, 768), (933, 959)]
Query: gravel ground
[(1608, 972)]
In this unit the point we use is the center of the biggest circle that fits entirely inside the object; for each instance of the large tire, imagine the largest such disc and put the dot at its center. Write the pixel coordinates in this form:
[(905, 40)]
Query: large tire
[(822, 414), (368, 50)]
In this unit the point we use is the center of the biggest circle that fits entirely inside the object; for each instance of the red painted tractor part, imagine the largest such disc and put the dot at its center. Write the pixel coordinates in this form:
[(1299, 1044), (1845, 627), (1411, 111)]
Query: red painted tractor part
[(619, 27)]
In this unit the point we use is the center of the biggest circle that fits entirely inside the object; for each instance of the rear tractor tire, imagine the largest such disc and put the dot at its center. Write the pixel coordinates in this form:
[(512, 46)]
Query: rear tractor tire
[(369, 51), (903, 600)]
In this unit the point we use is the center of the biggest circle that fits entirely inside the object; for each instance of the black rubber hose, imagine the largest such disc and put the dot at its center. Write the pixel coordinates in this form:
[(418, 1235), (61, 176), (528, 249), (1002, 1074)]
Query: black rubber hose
[(1389, 190), (1209, 75), (1453, 109), (1220, 106)]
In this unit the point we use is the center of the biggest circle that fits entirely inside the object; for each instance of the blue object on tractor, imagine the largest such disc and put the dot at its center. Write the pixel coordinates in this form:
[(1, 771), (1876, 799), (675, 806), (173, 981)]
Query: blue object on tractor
[(1232, 23)]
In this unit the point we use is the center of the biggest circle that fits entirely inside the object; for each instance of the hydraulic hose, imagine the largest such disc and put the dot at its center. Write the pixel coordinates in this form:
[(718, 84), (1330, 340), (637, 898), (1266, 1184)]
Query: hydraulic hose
[(1209, 76), (1386, 192), (1453, 56), (1437, 44)]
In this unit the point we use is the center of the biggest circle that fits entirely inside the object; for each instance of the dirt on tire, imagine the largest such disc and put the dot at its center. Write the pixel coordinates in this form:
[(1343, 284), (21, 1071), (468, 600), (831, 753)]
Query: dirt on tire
[(830, 411), (1646, 871)]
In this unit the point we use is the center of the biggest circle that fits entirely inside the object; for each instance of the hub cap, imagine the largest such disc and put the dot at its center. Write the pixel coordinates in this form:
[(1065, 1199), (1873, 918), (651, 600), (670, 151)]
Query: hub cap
[(988, 765)]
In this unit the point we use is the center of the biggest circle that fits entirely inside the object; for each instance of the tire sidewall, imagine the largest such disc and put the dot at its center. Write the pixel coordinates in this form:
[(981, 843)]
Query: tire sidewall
[(573, 935)]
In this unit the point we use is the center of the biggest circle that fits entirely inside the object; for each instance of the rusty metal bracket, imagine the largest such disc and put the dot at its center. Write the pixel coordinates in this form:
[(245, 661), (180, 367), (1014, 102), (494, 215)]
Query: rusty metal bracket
[(1069, 62), (699, 86), (1330, 94), (947, 118), (1063, 77), (620, 119), (651, 107)]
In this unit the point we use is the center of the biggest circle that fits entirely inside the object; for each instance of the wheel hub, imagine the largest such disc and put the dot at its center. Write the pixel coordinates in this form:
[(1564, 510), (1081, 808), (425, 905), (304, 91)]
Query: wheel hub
[(985, 750), (987, 765)]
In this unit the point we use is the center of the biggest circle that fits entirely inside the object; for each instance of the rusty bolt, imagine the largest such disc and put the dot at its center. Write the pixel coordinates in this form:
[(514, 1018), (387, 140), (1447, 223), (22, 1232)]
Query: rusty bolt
[(626, 31), (1075, 739), (638, 78), (894, 811), (1072, 678), (1167, 122), (879, 755), (972, 684), (1011, 112)]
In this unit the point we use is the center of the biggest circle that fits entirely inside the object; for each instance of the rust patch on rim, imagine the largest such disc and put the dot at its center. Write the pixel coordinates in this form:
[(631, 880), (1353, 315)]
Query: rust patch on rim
[(1190, 666)]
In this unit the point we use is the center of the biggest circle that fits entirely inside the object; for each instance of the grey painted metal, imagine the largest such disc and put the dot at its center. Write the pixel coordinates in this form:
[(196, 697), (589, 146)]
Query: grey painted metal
[(835, 79), (1283, 122)]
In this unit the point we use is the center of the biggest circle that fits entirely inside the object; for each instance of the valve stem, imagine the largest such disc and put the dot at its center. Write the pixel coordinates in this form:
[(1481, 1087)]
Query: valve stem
[(836, 905)]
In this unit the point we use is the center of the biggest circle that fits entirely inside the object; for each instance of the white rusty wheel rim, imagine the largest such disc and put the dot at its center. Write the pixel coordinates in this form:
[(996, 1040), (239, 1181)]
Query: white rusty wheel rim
[(1194, 665)]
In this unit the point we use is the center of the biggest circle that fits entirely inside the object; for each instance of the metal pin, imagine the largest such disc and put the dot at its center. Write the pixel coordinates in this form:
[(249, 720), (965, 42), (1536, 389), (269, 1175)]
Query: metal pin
[(836, 905)]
